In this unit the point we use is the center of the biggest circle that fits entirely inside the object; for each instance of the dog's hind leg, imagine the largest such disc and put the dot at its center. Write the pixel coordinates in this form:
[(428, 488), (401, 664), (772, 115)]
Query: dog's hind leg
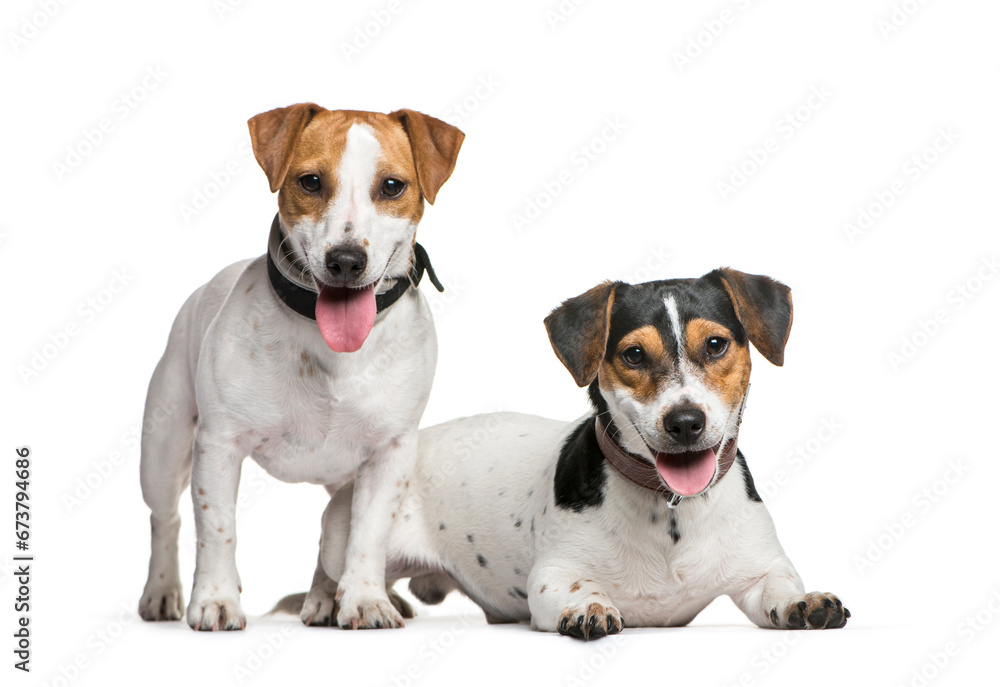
[(432, 588), (168, 427), (320, 605)]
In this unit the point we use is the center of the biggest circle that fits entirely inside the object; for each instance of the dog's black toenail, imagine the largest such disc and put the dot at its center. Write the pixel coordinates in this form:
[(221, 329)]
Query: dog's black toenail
[(803, 606), (847, 613), (378, 624), (563, 625), (837, 601), (828, 602), (774, 616)]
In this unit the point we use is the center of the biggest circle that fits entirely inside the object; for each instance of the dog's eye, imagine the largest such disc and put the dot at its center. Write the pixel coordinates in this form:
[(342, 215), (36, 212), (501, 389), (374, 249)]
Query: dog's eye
[(392, 187), (633, 356), (310, 183), (716, 346)]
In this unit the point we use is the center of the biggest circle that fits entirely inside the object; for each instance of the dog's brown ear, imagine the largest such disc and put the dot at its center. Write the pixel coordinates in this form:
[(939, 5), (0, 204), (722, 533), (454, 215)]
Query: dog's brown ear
[(274, 135), (435, 146), (578, 331), (764, 308)]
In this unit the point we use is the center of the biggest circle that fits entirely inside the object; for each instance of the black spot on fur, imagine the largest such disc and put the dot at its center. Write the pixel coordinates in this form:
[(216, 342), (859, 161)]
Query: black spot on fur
[(580, 475), (675, 533), (470, 538), (517, 571), (482, 561), (653, 518), (748, 484), (532, 525), (520, 592), (441, 526), (518, 523)]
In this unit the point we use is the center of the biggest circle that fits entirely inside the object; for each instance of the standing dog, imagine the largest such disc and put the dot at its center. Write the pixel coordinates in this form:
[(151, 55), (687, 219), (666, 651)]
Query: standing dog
[(643, 510), (267, 360)]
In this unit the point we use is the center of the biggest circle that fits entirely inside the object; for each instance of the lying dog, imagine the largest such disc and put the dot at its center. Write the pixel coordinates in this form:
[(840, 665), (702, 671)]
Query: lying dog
[(267, 360), (642, 512)]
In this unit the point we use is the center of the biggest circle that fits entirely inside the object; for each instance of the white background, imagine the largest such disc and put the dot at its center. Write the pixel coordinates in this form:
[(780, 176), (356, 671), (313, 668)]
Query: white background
[(647, 206)]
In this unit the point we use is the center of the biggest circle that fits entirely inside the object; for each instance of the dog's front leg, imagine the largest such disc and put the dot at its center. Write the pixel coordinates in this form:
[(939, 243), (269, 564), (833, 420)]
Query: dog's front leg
[(378, 491), (777, 599), (215, 479), (564, 600)]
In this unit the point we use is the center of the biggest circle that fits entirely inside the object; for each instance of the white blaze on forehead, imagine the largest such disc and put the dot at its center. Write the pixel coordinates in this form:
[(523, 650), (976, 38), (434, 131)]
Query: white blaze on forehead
[(356, 174), (675, 322)]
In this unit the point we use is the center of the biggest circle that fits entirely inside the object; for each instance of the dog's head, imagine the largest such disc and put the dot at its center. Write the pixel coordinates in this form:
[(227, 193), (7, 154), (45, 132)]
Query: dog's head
[(351, 189), (670, 362)]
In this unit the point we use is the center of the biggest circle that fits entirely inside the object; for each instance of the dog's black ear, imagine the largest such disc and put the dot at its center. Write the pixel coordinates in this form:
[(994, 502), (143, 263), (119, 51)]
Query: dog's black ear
[(578, 331), (435, 145), (274, 135), (764, 308)]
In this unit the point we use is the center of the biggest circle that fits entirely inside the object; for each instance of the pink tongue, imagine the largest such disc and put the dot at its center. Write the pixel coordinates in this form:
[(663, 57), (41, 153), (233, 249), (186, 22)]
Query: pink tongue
[(345, 316), (687, 474)]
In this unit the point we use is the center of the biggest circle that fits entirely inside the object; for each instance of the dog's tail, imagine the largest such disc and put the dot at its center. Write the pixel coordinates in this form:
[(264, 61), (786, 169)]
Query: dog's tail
[(291, 604)]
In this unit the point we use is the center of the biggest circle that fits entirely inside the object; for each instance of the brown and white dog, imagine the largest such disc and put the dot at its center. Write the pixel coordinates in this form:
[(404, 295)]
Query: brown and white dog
[(641, 512), (316, 359)]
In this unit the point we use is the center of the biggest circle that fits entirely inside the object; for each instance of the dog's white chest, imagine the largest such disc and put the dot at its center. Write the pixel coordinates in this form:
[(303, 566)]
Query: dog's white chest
[(309, 414)]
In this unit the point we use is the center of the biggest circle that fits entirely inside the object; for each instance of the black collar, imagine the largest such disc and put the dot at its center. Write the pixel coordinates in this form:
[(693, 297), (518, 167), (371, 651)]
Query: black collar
[(303, 301)]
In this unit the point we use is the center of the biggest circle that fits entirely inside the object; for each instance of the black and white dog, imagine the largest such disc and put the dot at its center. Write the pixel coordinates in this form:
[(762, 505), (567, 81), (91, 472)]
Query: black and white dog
[(643, 512)]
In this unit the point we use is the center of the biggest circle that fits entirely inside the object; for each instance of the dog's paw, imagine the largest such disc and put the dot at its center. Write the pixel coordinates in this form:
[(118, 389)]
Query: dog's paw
[(215, 613), (369, 613), (162, 602), (319, 608), (401, 604), (590, 621), (814, 611)]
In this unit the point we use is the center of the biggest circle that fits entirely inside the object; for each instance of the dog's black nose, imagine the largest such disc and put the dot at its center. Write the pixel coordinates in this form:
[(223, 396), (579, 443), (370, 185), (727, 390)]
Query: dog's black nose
[(685, 424), (346, 262)]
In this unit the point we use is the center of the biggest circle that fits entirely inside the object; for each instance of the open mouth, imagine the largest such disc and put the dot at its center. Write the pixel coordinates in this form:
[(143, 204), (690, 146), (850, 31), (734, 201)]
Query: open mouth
[(691, 472), (345, 316)]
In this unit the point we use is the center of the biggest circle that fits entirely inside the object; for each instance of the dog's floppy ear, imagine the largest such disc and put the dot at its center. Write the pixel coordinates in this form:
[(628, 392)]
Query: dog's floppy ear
[(274, 135), (435, 146), (578, 331), (764, 308)]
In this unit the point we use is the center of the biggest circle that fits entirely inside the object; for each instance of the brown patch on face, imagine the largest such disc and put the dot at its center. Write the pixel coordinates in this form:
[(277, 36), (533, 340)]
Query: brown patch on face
[(641, 381), (319, 150), (727, 376), (575, 587)]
